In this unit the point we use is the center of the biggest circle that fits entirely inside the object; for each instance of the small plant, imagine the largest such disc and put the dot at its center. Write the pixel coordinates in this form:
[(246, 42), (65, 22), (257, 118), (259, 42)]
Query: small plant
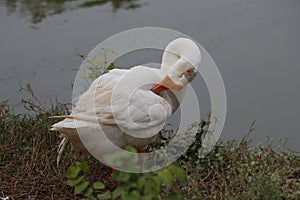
[(100, 64), (182, 140), (150, 186), (76, 178)]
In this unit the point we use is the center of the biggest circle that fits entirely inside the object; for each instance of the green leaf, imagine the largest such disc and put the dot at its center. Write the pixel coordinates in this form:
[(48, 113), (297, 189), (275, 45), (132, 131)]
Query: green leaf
[(141, 183), (135, 176), (106, 195), (133, 195), (84, 166), (130, 149), (148, 197), (117, 192), (98, 185), (88, 192), (151, 188), (121, 176), (73, 172), (73, 182), (157, 180), (178, 172), (81, 187), (132, 185), (166, 178), (174, 196)]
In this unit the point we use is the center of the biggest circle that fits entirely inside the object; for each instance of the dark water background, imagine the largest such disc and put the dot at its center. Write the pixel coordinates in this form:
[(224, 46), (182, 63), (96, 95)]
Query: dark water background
[(255, 44)]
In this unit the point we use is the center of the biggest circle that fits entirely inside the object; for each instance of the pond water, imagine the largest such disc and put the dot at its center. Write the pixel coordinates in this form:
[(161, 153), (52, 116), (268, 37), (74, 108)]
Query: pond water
[(255, 44)]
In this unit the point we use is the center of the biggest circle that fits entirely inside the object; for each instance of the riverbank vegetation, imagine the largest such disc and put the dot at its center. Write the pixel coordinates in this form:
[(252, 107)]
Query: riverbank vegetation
[(232, 170)]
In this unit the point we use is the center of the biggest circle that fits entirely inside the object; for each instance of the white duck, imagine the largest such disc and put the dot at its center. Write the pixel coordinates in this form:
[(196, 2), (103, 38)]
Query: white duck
[(130, 106)]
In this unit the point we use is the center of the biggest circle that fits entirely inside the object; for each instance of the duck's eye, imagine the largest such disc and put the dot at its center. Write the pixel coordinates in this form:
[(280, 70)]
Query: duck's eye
[(188, 72)]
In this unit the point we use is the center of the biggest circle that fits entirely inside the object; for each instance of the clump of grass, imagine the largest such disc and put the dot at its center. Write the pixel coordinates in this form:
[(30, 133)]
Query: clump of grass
[(28, 152), (99, 64), (237, 171)]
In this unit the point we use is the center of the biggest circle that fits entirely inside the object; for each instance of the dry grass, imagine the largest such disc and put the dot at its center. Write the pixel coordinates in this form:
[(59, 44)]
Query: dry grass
[(28, 157)]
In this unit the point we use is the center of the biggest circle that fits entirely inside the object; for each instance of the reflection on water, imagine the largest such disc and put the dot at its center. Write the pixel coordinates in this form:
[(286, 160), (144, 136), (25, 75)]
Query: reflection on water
[(116, 4), (40, 9)]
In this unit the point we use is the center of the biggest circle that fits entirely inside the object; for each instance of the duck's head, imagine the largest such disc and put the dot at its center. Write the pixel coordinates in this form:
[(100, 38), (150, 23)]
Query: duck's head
[(180, 62)]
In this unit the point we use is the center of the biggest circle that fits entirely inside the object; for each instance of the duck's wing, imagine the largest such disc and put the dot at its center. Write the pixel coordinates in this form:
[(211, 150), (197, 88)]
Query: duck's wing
[(145, 113), (133, 107), (93, 105), (119, 98), (89, 105)]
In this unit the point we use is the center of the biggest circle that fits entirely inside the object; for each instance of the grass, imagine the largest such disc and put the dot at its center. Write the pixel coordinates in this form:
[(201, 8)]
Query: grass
[(232, 170)]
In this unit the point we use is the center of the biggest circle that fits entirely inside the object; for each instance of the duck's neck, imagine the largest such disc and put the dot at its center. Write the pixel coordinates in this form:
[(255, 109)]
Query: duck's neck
[(174, 97)]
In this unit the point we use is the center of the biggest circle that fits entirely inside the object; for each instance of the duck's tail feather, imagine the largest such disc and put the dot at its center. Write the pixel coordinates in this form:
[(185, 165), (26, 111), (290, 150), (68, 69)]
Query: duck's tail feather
[(108, 119), (60, 149), (62, 116)]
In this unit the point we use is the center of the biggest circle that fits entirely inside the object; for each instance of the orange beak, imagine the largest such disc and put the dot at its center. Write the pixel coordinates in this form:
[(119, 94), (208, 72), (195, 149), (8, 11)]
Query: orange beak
[(165, 84)]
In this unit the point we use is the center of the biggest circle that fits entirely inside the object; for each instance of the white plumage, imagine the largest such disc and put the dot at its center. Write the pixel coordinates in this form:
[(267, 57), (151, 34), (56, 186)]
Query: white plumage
[(130, 107)]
